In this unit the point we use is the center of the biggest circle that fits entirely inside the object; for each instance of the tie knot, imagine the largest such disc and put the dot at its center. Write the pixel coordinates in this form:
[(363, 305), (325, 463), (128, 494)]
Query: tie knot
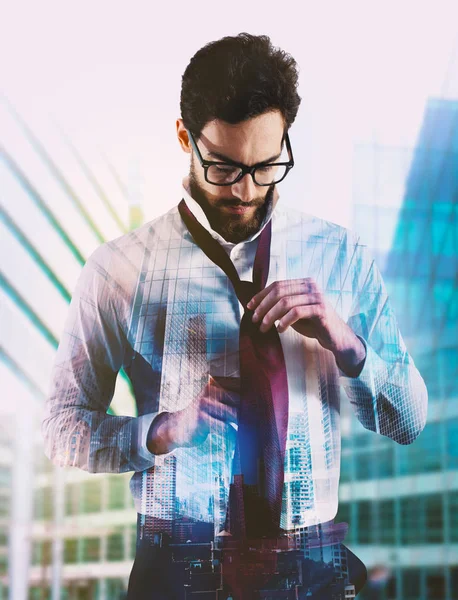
[(245, 291)]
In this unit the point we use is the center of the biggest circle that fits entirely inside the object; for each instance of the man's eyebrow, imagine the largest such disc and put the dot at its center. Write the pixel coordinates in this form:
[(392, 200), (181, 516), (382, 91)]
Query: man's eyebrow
[(229, 160)]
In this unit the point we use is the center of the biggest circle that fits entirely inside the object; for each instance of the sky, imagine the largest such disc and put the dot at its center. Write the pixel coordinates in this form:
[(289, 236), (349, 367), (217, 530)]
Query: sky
[(108, 74)]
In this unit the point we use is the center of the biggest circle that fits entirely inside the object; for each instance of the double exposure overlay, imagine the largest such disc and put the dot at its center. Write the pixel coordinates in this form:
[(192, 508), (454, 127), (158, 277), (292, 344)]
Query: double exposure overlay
[(109, 320), (153, 303)]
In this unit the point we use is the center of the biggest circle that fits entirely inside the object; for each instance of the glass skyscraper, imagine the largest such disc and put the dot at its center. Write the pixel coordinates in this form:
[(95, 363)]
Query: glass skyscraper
[(402, 501), (55, 524)]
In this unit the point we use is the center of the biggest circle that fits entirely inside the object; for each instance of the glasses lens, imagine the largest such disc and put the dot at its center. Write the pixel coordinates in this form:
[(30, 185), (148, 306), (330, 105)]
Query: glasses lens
[(269, 174), (222, 174)]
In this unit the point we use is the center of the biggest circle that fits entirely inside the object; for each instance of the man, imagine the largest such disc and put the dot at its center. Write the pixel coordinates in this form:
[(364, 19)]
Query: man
[(238, 321)]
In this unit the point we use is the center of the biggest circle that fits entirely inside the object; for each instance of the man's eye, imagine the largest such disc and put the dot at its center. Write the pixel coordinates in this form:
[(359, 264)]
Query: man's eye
[(266, 169), (224, 169)]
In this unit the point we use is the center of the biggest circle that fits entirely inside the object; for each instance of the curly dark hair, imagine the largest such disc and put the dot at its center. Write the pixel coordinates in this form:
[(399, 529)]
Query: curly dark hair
[(237, 78)]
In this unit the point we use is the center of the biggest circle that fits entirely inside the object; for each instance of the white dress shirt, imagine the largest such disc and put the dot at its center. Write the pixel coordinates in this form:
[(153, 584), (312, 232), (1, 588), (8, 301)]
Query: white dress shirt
[(152, 302)]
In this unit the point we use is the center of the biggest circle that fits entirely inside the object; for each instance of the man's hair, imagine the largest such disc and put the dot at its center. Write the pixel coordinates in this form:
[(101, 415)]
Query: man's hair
[(236, 78)]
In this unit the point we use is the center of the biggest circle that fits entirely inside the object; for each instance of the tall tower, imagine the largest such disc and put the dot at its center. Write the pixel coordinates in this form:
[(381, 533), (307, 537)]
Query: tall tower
[(160, 494), (402, 501)]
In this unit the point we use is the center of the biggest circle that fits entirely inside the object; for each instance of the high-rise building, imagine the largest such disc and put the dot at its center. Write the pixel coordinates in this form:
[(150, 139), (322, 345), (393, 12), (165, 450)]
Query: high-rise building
[(160, 482), (401, 501), (57, 524), (298, 488)]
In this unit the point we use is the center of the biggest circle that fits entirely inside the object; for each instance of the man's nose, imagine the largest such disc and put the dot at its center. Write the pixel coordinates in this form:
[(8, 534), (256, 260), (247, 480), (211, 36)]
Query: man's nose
[(245, 189)]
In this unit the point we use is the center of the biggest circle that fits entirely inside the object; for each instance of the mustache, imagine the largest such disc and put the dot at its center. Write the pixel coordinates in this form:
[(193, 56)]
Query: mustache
[(236, 203)]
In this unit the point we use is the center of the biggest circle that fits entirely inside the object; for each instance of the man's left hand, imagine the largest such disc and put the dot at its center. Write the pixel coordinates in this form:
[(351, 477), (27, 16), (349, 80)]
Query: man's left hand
[(300, 304)]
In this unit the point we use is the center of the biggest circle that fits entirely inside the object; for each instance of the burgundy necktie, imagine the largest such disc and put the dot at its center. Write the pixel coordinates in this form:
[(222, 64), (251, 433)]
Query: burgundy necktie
[(255, 499)]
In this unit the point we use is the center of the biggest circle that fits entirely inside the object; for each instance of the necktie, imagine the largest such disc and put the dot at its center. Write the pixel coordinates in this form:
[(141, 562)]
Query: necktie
[(255, 496)]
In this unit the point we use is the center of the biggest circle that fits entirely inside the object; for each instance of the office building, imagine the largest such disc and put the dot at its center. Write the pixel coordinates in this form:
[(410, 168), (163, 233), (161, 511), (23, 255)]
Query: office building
[(401, 501)]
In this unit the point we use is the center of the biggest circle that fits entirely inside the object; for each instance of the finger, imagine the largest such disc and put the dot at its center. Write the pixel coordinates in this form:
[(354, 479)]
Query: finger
[(284, 305), (219, 411), (257, 298), (217, 393), (292, 286), (229, 384), (214, 424), (303, 288), (217, 397), (297, 313)]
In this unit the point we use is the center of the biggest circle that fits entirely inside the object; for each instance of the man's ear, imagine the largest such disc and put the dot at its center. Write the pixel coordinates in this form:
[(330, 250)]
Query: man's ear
[(183, 137)]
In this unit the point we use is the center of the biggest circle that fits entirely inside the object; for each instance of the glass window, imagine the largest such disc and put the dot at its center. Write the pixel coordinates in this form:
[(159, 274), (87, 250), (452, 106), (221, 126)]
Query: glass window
[(362, 440), (428, 448), (115, 546), (90, 549), (346, 466), (454, 582), (38, 504), (387, 527), (36, 553), (453, 516), (115, 588), (3, 564), (365, 522), (412, 520), (37, 593), (91, 497), (4, 506), (70, 551), (343, 514), (435, 585), (3, 537), (385, 462), (434, 518), (365, 465), (452, 443), (116, 492), (43, 503), (411, 584), (5, 476), (72, 495), (41, 552)]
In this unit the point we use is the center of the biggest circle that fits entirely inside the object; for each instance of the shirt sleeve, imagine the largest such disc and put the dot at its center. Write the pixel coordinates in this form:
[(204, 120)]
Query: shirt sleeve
[(76, 428), (389, 395)]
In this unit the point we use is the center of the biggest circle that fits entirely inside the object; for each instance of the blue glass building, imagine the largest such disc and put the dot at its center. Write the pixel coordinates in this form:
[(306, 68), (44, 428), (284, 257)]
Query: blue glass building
[(402, 501)]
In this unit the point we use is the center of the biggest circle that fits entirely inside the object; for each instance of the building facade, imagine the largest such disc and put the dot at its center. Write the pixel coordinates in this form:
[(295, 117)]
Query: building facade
[(401, 501)]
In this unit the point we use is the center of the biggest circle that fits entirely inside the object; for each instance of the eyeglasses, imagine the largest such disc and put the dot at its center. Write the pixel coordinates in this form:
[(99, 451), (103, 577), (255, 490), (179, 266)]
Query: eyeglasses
[(229, 172)]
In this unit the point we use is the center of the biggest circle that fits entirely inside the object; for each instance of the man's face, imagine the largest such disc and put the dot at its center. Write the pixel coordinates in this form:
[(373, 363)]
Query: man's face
[(235, 211)]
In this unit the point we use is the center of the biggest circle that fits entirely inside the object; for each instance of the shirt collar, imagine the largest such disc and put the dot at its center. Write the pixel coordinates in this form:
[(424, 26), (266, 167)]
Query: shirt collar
[(197, 211)]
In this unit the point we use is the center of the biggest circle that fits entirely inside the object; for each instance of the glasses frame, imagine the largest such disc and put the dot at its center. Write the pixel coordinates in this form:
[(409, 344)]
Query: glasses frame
[(244, 168)]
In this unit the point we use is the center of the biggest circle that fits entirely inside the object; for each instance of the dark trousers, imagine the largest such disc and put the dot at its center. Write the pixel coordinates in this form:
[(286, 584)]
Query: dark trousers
[(164, 571)]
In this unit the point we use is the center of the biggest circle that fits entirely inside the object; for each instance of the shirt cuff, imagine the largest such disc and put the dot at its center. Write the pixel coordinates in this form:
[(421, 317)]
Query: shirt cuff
[(146, 458), (372, 364), (362, 390)]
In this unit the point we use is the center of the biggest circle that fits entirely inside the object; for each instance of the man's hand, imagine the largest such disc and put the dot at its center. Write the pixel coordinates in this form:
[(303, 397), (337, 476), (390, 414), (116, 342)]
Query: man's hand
[(300, 304), (191, 425)]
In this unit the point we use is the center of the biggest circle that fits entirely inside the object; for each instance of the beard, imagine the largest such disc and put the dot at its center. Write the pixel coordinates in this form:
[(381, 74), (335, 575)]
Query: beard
[(232, 227)]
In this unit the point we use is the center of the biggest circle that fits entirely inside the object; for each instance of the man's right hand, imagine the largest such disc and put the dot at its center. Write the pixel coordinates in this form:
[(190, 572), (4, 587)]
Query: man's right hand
[(191, 425)]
